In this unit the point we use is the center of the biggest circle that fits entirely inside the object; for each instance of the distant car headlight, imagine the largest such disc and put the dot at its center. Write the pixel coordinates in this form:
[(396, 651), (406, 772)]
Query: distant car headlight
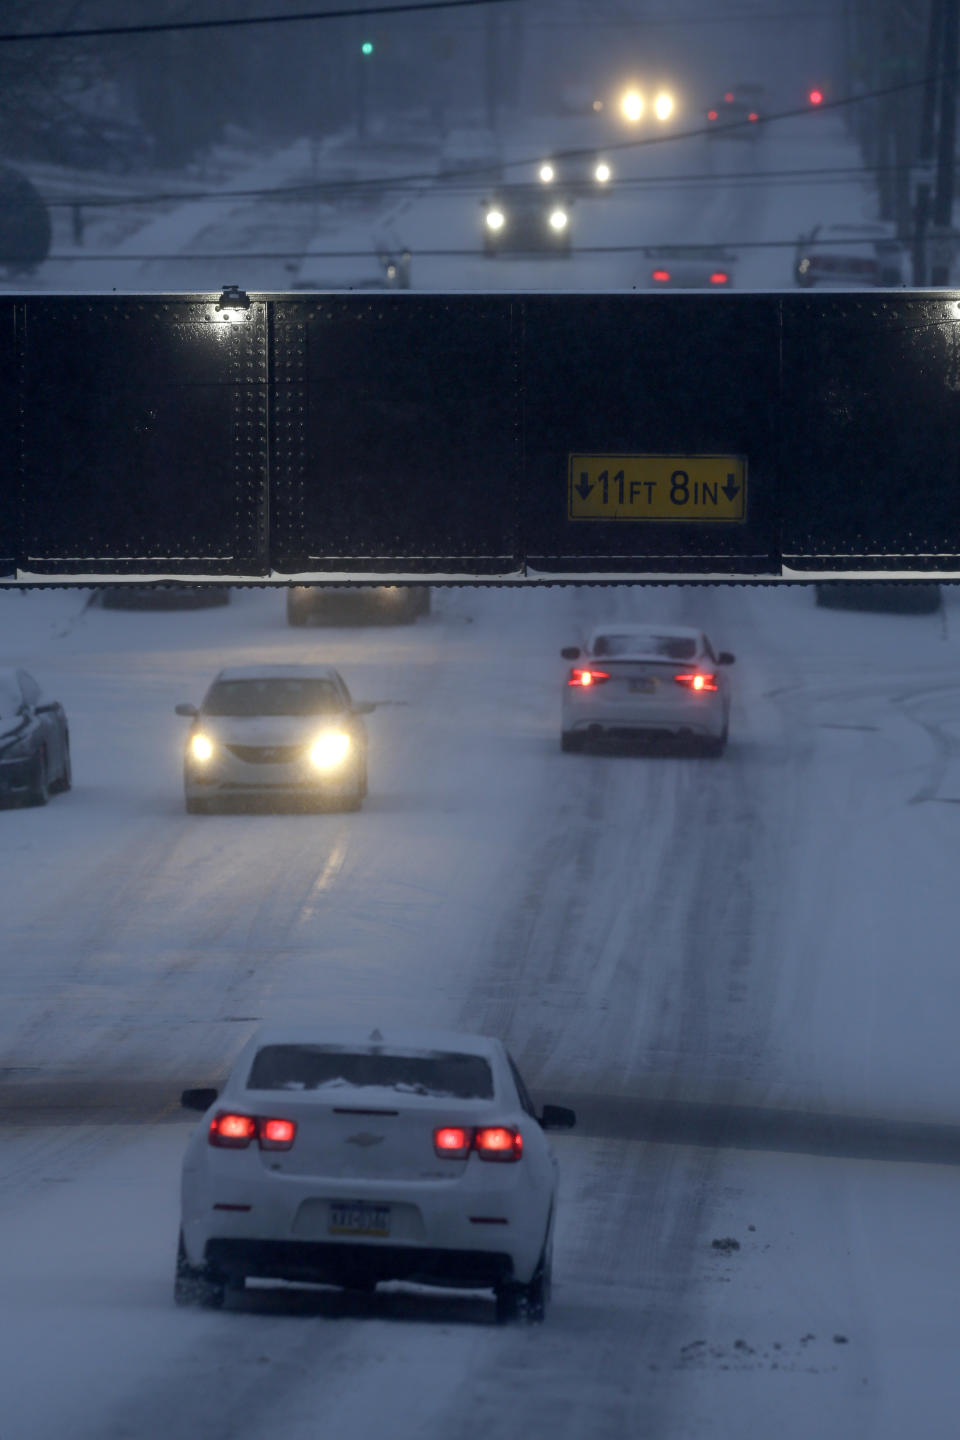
[(547, 173), (663, 105), (558, 219), (632, 105), (201, 748), (602, 173), (330, 750), (495, 219)]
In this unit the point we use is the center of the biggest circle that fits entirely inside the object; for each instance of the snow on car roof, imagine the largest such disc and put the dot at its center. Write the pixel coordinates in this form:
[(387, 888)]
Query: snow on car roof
[(278, 672), (401, 1036)]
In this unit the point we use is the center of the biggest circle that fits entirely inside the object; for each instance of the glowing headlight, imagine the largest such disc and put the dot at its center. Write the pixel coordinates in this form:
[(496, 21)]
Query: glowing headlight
[(201, 748), (632, 105), (495, 219), (663, 106), (330, 750), (558, 219), (546, 173), (602, 173)]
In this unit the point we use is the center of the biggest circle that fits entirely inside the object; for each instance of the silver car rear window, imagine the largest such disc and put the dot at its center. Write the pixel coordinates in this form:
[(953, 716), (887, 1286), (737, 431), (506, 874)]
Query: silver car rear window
[(671, 647), (411, 1072)]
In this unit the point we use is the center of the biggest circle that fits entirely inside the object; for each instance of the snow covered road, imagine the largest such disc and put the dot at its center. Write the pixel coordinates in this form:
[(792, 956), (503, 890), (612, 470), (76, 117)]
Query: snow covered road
[(686, 949)]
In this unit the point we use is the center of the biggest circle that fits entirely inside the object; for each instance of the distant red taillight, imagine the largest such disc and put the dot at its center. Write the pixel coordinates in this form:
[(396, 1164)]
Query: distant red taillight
[(587, 677), (711, 114), (753, 115), (452, 1142), (498, 1142), (697, 680), (230, 1131), (661, 276), (719, 277), (729, 97)]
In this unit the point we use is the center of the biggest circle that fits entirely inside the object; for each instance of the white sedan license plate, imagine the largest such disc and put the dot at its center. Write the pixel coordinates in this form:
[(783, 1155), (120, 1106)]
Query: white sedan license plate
[(350, 1218), (644, 686)]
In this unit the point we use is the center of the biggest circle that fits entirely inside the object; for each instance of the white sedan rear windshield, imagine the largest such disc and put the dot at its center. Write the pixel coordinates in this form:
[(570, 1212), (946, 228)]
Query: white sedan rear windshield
[(671, 647), (412, 1072)]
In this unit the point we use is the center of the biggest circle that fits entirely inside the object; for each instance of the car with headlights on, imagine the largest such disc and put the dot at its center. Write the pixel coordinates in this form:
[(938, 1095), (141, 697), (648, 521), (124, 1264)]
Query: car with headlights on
[(274, 732), (357, 604), (586, 171), (526, 219), (632, 681), (34, 741), (343, 1156), (690, 267)]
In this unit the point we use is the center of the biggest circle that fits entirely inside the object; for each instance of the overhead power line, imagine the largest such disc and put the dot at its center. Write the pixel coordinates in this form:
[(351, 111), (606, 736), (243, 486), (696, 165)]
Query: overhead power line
[(310, 190), (165, 27)]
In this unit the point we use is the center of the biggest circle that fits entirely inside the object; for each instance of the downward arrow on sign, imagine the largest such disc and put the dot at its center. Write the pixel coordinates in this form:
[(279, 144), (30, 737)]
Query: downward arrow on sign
[(584, 488), (731, 489)]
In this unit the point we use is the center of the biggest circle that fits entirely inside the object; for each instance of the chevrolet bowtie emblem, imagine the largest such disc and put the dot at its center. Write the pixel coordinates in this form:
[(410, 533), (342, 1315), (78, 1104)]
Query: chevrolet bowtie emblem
[(364, 1139)]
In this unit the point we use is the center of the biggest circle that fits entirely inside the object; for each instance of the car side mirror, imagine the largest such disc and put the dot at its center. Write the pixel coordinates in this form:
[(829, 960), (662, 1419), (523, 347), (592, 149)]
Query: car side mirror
[(198, 1099), (190, 710), (558, 1117), (364, 707), (725, 658), (571, 652)]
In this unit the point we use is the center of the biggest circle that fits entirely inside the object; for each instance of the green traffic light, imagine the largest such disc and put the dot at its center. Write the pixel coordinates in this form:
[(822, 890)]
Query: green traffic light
[(367, 47)]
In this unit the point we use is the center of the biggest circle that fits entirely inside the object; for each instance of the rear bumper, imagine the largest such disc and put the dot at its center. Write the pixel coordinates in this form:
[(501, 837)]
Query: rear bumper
[(706, 719), (320, 1262)]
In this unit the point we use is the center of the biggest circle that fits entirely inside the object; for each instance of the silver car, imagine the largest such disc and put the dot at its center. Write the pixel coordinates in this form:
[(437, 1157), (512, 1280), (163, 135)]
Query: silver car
[(276, 731), (632, 681)]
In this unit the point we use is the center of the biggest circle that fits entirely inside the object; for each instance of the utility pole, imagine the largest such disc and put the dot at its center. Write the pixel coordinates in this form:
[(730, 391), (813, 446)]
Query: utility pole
[(491, 66), (925, 147), (946, 144)]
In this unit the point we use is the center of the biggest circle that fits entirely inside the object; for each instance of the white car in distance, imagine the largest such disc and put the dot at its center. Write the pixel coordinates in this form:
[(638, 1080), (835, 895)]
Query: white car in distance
[(633, 681), (343, 1156)]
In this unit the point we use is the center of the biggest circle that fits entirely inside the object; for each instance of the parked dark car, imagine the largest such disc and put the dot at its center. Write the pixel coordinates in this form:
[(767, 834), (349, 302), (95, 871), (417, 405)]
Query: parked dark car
[(900, 597), (34, 741), (163, 597), (357, 604)]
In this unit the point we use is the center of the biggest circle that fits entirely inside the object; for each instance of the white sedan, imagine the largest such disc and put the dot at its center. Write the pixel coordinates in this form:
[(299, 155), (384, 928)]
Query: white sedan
[(347, 1157), (272, 731), (646, 680)]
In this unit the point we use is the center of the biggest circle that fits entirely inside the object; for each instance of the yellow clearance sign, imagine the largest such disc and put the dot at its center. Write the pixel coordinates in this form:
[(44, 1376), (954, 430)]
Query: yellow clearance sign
[(705, 488)]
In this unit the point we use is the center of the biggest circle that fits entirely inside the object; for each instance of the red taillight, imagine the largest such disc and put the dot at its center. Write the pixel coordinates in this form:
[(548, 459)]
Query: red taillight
[(711, 114), (498, 1142), (729, 97), (277, 1134), (719, 277), (661, 275), (232, 1132), (587, 677), (229, 1131), (492, 1142), (452, 1141), (753, 115), (816, 97), (697, 680)]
